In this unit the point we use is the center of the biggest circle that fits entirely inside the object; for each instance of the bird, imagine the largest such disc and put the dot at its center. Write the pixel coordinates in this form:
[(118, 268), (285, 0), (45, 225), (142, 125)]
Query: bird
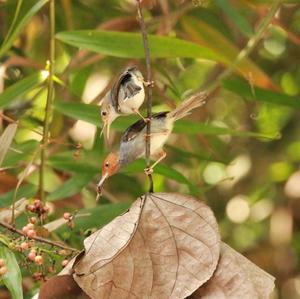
[(132, 144), (125, 97)]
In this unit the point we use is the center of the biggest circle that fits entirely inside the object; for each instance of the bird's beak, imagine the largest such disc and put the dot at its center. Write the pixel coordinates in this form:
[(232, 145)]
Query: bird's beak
[(105, 130), (101, 183)]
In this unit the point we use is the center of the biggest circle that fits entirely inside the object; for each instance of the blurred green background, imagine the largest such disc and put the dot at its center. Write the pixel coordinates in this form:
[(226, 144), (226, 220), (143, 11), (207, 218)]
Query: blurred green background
[(239, 153)]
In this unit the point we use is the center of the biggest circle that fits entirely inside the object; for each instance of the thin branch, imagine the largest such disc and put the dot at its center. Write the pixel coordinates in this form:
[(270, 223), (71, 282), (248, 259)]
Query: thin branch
[(148, 88), (38, 239), (50, 94)]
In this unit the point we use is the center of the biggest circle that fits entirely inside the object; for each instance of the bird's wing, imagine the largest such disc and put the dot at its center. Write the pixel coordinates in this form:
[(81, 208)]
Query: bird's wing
[(133, 131), (139, 126), (129, 89)]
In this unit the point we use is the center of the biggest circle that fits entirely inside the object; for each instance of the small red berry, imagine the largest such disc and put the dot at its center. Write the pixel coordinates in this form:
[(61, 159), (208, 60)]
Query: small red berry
[(67, 216), (31, 233), (33, 220), (31, 255), (30, 226), (37, 203), (3, 270), (24, 246), (64, 263), (62, 252), (51, 269), (2, 262), (39, 260), (25, 229), (31, 208)]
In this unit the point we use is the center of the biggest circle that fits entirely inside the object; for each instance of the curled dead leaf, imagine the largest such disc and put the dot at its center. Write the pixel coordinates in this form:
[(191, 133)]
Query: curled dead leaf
[(236, 277), (61, 287), (165, 246)]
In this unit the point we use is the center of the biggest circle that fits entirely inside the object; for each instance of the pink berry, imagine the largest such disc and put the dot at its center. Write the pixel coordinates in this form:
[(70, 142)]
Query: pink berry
[(31, 208), (67, 216), (2, 262), (64, 263), (31, 256), (30, 226), (33, 220), (25, 229), (24, 246), (39, 260), (37, 203), (31, 233), (3, 270)]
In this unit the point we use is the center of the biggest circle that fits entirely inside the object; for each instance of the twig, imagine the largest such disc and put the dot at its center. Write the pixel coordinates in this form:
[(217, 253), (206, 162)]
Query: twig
[(148, 88), (45, 138), (38, 239)]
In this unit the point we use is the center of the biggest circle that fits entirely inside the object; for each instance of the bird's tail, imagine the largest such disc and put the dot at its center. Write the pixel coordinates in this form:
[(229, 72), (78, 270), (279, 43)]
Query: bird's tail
[(186, 106)]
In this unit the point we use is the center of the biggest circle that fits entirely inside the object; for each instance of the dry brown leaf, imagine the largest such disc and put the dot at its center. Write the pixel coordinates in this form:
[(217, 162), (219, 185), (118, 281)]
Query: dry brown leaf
[(165, 246), (235, 278), (61, 287)]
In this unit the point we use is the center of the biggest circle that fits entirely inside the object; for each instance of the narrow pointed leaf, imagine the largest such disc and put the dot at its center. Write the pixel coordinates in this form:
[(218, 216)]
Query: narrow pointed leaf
[(232, 13), (6, 140), (13, 278), (113, 43), (86, 112), (90, 113), (20, 25), (244, 89), (200, 32), (71, 187), (21, 87)]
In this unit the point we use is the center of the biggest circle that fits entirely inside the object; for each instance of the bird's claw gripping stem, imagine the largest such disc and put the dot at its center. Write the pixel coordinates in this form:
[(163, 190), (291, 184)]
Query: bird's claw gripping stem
[(148, 170), (149, 83)]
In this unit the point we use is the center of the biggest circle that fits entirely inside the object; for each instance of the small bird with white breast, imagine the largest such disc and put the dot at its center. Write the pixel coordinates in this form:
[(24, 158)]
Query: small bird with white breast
[(132, 145), (126, 97)]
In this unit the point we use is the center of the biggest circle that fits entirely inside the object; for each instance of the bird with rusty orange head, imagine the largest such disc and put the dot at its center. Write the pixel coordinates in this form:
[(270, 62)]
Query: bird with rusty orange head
[(126, 97), (132, 145)]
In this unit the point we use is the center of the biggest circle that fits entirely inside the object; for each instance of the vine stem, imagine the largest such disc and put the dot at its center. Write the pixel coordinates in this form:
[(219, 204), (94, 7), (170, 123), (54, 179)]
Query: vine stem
[(38, 239), (50, 94), (148, 88)]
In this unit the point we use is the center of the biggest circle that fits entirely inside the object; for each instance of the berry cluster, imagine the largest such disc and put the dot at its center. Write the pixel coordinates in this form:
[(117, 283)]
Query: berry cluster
[(39, 208)]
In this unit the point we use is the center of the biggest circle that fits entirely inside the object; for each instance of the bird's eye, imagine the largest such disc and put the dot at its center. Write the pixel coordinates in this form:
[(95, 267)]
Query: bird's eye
[(103, 113), (106, 164)]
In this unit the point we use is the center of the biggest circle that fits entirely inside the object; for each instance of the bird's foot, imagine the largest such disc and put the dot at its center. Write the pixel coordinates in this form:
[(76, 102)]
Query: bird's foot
[(149, 83), (148, 170)]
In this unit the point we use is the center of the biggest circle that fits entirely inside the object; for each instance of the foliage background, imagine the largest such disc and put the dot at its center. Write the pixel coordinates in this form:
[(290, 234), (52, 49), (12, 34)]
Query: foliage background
[(240, 153)]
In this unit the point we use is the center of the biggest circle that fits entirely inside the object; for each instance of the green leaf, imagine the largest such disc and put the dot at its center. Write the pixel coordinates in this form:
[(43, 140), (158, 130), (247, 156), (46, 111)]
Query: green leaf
[(191, 127), (171, 173), (244, 89), (130, 45), (86, 112), (6, 140), (20, 25), (202, 33), (13, 278), (90, 113), (24, 191), (72, 186), (69, 164), (22, 87), (20, 152), (241, 23), (97, 216)]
